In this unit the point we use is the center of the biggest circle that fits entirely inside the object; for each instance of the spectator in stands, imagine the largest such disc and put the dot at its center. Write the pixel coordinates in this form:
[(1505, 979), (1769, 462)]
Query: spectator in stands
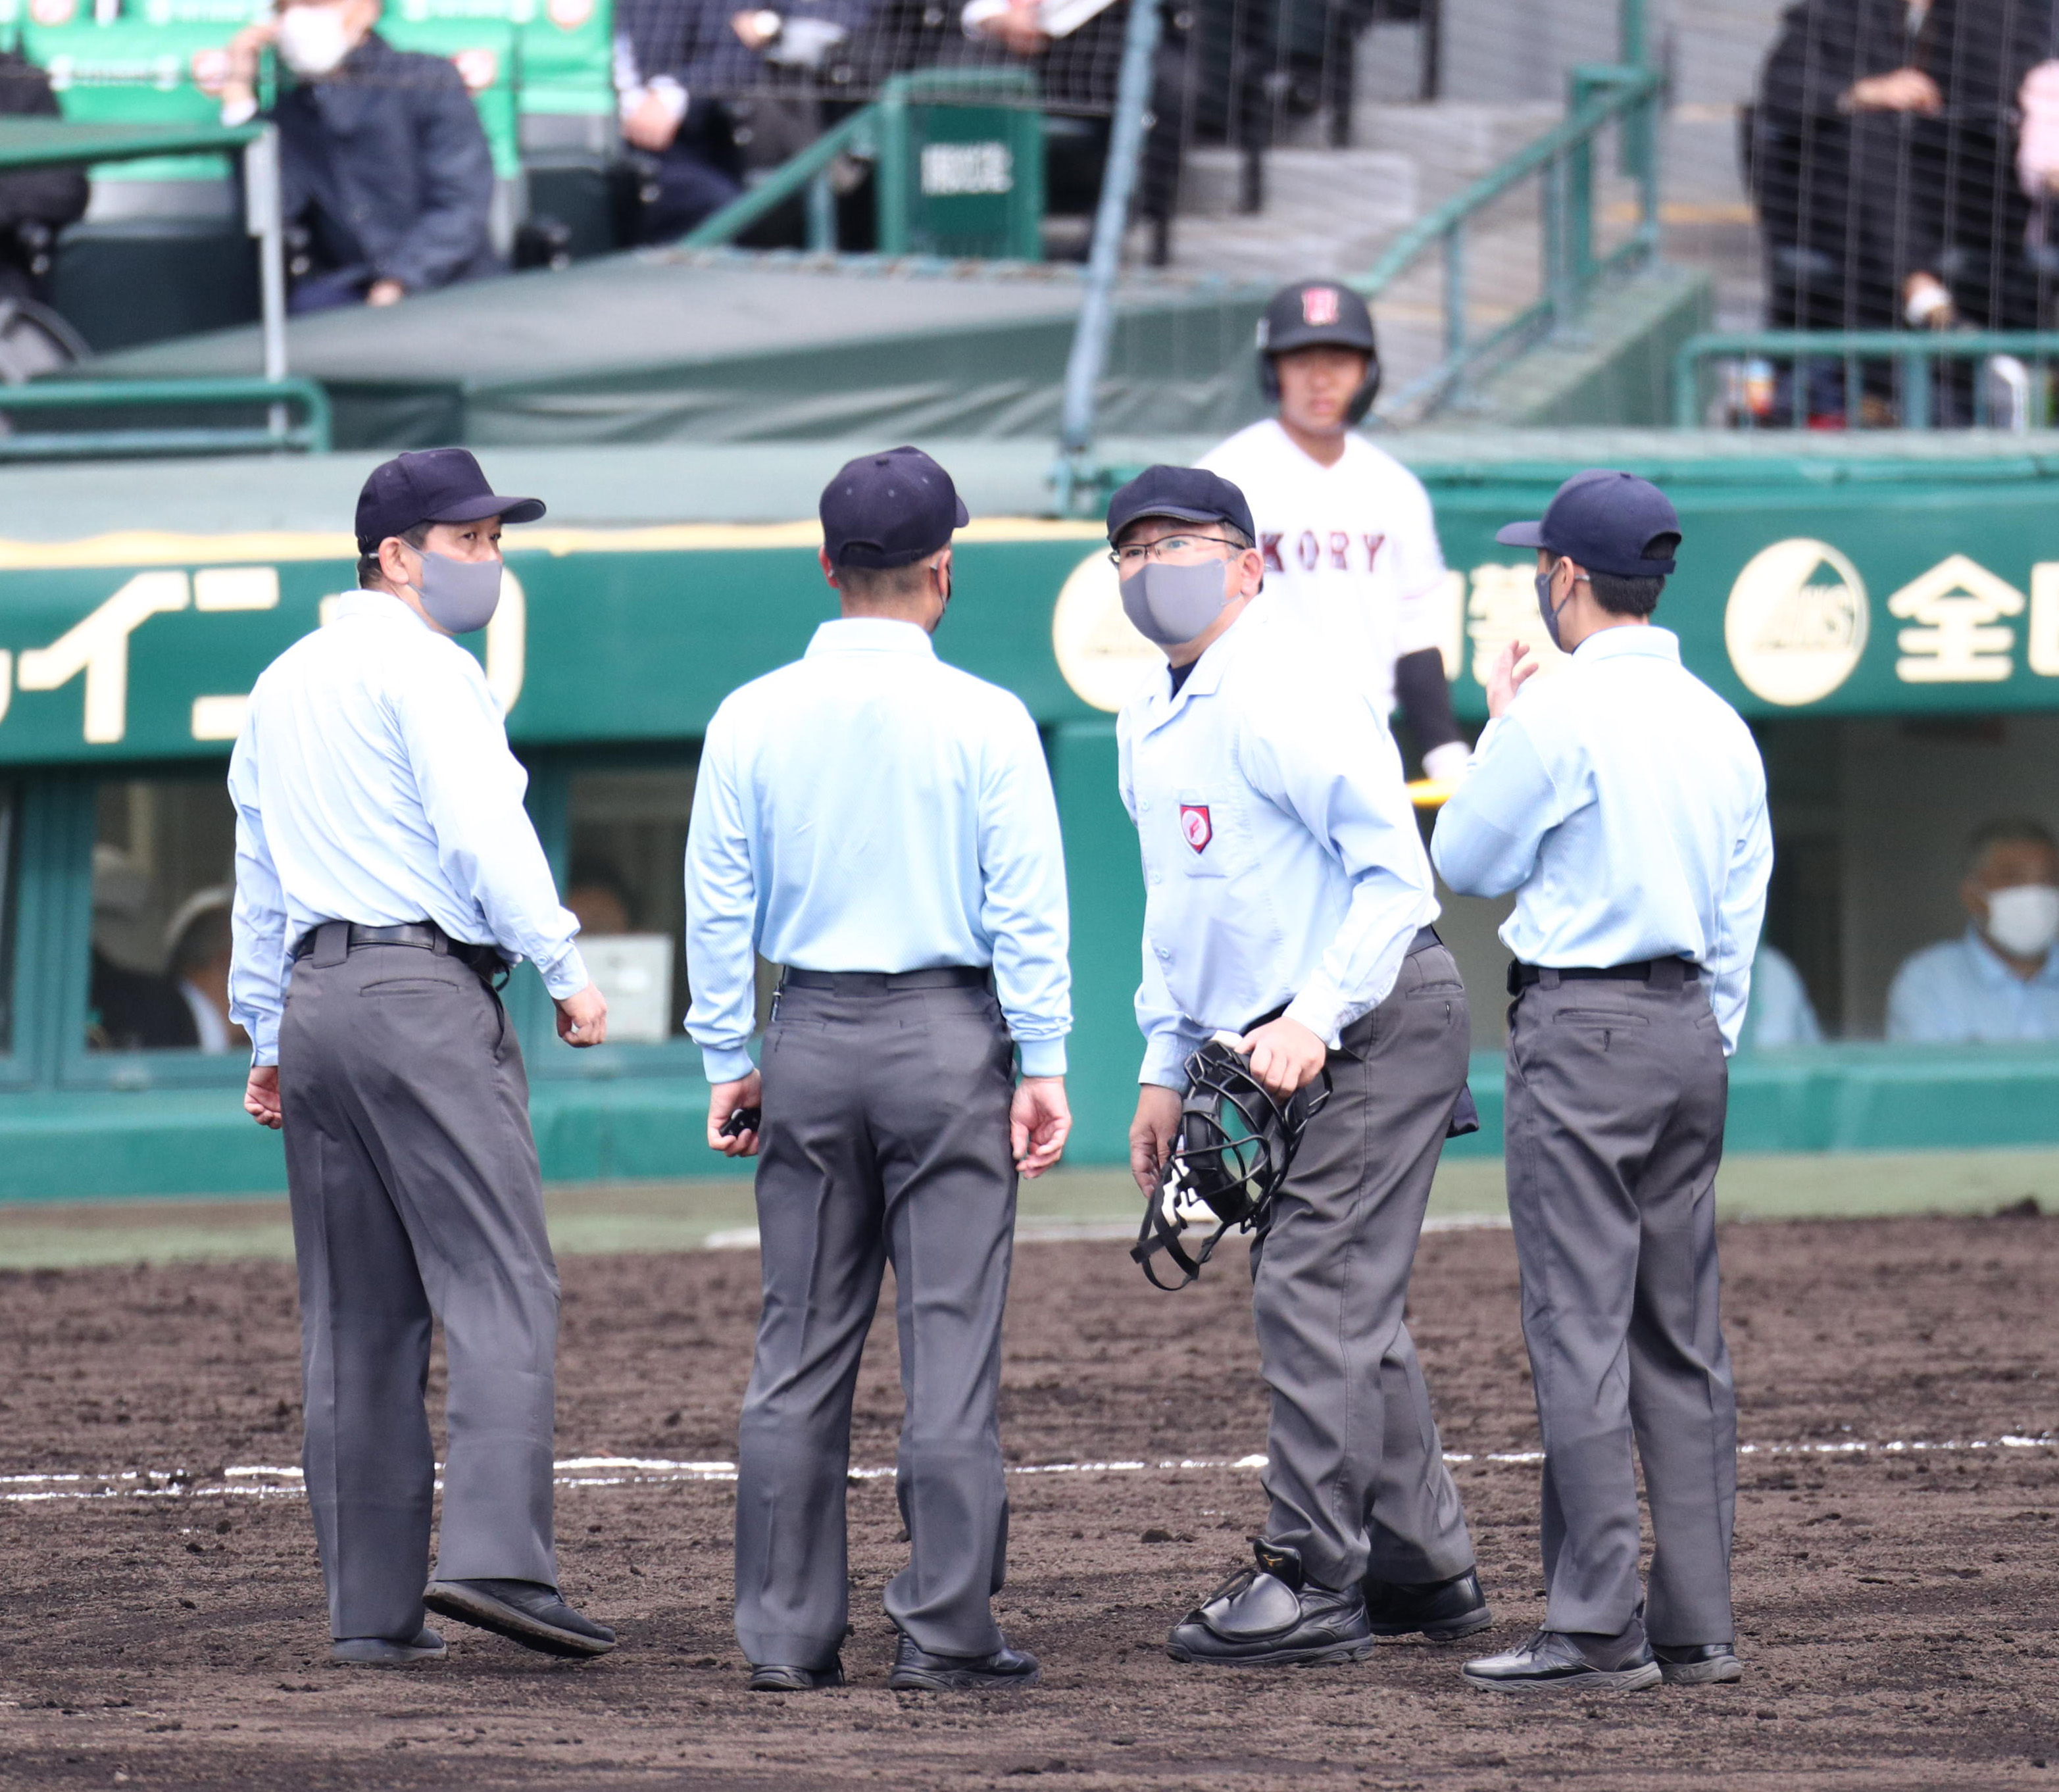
[(681, 69), (1935, 137), (1999, 979), (1779, 1012), (35, 203), (599, 899), (387, 176), (197, 954)]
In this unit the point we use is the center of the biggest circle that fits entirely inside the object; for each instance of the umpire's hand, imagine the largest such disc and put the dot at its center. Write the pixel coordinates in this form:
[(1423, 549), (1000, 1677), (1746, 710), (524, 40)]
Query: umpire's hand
[(729, 1098), (260, 1096), (583, 1017), (1285, 1055), (1039, 1122)]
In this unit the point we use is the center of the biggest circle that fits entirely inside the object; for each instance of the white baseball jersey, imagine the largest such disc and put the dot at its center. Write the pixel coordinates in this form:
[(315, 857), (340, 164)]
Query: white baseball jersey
[(1350, 551)]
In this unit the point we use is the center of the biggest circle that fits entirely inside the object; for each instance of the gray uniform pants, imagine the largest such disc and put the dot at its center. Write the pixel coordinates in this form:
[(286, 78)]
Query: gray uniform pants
[(1614, 1120), (885, 1139), (1356, 1470), (416, 1195)]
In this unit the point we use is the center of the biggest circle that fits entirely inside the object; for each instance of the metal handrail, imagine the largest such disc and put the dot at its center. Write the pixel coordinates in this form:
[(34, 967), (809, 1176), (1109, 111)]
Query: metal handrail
[(1563, 157), (864, 133), (314, 434), (1914, 351)]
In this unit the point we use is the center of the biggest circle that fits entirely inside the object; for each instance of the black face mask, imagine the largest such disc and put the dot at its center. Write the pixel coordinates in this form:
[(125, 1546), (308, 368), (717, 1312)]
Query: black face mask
[(1544, 608)]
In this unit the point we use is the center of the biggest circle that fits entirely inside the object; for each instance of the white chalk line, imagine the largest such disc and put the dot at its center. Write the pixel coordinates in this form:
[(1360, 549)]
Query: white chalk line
[(1098, 1232), (257, 1480)]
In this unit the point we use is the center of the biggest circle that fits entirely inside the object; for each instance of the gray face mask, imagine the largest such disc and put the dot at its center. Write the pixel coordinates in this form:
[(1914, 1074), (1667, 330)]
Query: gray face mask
[(459, 594), (1173, 604), (1545, 610)]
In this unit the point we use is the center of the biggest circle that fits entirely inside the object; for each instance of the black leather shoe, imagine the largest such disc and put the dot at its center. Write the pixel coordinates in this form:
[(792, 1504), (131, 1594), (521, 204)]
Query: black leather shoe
[(1444, 1610), (383, 1651), (1699, 1664), (916, 1669), (1269, 1615), (1558, 1661), (780, 1677), (524, 1611)]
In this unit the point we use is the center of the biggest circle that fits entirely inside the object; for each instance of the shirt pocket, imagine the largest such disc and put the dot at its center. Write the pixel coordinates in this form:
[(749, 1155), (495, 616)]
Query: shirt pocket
[(1208, 834)]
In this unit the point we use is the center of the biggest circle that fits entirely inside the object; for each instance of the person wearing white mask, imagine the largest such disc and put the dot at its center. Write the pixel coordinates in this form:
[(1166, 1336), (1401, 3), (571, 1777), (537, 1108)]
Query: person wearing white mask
[(386, 878), (386, 175), (1999, 979)]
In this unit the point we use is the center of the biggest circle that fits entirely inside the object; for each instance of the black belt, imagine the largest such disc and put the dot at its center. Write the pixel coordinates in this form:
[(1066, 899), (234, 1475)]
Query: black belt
[(888, 982), (346, 936), (1521, 976)]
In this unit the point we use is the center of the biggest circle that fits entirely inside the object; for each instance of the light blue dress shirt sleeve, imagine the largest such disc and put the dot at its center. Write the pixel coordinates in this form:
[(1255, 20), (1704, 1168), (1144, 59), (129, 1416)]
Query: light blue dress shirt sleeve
[(1023, 909), (1739, 913), (1328, 761), (471, 788), (722, 911), (258, 965), (1169, 1040), (1487, 834)]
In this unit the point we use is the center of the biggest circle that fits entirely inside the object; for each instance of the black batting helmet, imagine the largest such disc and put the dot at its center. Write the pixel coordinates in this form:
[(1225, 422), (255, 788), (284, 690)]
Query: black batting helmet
[(1313, 313), (1235, 1145)]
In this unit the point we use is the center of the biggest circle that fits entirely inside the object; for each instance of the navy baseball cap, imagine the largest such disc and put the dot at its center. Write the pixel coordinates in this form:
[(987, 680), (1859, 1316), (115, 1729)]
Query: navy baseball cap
[(432, 485), (1604, 521), (1186, 494), (890, 509)]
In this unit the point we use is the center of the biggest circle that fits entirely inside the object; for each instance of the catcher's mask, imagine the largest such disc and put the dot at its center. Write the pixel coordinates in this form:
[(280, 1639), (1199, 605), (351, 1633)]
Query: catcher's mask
[(1232, 1153)]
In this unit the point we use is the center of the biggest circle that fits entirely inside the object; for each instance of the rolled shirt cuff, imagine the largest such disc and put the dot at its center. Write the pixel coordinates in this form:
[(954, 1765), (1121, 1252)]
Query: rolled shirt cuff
[(668, 88), (726, 1064), (1164, 1062), (1320, 1010), (568, 976), (1042, 1057)]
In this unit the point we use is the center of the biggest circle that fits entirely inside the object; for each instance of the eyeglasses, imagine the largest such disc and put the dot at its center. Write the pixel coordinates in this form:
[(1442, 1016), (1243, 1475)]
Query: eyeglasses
[(1129, 558)]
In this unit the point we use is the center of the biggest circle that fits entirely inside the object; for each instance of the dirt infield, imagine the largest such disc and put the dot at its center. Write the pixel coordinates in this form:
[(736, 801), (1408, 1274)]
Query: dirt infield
[(1899, 1607)]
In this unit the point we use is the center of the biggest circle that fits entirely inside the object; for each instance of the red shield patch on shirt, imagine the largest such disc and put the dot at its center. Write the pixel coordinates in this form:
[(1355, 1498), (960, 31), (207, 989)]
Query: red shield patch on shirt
[(1195, 825)]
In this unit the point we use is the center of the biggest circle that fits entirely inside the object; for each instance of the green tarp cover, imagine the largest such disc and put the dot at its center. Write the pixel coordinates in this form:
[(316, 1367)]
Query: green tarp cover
[(664, 345)]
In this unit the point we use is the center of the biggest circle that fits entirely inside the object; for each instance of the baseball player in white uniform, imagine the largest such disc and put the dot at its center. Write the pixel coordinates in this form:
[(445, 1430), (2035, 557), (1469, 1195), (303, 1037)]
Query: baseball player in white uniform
[(1348, 535)]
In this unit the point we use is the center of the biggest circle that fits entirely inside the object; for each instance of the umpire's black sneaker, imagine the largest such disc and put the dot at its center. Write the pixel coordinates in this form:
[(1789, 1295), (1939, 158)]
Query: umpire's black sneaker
[(1559, 1661), (916, 1669), (524, 1611), (1444, 1610), (383, 1651), (1269, 1615), (1699, 1664), (781, 1677)]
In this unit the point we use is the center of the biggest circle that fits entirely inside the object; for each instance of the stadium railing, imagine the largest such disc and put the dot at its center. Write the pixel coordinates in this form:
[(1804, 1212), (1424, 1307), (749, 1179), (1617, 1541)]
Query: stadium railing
[(1603, 97), (891, 134), (1775, 378), (312, 434)]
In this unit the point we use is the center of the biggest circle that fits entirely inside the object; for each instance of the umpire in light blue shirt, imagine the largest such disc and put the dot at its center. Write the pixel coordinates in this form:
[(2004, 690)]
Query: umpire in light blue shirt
[(1624, 802), (1288, 900), (386, 872), (882, 824)]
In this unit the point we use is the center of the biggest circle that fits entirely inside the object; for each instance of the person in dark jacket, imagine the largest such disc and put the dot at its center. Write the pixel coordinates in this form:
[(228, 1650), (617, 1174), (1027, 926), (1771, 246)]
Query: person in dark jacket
[(686, 72), (387, 176), (35, 203)]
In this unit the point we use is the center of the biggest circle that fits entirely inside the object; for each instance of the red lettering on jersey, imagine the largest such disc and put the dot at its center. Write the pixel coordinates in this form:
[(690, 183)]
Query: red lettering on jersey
[(1340, 543), (1268, 545), (1308, 551), (1372, 548), (1195, 825)]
